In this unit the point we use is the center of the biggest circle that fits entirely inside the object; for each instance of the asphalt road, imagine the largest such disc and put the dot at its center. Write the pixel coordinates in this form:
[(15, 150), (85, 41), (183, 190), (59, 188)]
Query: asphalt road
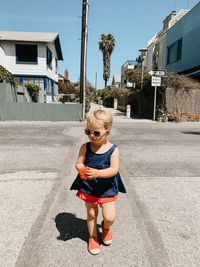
[(43, 224)]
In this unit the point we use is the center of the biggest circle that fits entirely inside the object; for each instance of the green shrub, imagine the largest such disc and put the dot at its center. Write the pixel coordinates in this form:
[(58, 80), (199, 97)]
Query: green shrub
[(114, 92), (33, 90), (6, 76)]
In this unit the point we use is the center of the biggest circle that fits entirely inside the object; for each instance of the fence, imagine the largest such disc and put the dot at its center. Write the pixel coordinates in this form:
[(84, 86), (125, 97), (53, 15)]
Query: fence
[(178, 102), (182, 101), (183, 105), (12, 110)]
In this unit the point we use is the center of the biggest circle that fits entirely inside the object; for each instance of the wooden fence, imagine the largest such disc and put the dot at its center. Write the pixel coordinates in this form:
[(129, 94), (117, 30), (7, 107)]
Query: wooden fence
[(12, 110), (182, 101)]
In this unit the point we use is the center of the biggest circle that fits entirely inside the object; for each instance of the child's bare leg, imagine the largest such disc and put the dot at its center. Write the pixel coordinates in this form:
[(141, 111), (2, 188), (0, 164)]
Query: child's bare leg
[(108, 213), (93, 243), (92, 214)]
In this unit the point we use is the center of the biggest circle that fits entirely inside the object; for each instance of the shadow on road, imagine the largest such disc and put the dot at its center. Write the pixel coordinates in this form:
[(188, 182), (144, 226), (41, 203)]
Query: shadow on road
[(192, 132), (69, 226)]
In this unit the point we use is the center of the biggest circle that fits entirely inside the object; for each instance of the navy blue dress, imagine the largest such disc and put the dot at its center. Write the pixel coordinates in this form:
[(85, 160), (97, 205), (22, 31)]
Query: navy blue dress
[(99, 187)]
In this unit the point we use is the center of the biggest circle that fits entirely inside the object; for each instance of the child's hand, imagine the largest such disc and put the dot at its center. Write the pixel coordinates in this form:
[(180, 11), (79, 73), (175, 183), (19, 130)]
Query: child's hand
[(92, 173), (83, 173)]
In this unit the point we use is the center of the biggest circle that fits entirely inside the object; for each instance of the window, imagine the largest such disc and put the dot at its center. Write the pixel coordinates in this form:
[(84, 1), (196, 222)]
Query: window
[(174, 52), (49, 58), (56, 62), (34, 80), (179, 49), (26, 54)]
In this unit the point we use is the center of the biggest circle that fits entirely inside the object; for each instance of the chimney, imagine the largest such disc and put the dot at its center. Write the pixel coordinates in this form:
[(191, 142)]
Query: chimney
[(167, 20)]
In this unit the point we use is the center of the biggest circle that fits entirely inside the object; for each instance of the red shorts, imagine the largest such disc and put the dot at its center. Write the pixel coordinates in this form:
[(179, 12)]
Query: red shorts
[(95, 200)]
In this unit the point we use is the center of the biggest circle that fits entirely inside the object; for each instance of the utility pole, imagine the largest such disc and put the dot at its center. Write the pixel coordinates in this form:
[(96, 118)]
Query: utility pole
[(143, 56), (84, 35), (96, 81), (141, 88)]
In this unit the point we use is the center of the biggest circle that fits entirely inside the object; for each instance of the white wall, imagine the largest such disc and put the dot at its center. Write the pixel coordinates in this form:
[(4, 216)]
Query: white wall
[(52, 72), (161, 42), (2, 57), (39, 69)]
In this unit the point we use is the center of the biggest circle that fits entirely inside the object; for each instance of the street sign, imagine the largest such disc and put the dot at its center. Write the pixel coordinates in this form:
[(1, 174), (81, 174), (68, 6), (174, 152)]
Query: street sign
[(158, 73), (155, 81)]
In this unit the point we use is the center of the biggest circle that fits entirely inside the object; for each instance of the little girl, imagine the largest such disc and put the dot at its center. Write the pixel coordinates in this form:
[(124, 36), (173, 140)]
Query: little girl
[(98, 181)]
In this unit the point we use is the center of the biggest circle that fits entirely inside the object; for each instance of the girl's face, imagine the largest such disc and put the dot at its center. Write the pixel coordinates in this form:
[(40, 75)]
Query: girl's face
[(96, 133)]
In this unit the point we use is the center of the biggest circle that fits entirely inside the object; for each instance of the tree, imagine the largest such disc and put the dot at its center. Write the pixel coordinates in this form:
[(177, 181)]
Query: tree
[(114, 92), (7, 76), (106, 45), (134, 76), (67, 87), (90, 95), (33, 90)]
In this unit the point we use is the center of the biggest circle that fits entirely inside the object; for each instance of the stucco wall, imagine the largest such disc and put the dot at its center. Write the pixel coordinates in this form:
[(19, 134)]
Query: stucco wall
[(2, 57)]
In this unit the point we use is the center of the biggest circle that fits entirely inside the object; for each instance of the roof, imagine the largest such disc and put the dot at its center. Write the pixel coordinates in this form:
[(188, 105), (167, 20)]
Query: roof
[(43, 37)]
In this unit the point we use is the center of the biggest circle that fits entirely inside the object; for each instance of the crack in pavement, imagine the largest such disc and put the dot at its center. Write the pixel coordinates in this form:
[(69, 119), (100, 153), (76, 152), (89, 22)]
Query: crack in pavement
[(152, 239), (28, 255)]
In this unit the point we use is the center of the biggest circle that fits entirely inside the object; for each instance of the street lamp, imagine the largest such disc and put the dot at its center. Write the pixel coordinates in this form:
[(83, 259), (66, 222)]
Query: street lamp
[(142, 55)]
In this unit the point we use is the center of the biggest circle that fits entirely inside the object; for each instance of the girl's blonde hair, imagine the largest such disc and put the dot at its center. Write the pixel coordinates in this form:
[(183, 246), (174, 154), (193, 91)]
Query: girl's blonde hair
[(102, 116)]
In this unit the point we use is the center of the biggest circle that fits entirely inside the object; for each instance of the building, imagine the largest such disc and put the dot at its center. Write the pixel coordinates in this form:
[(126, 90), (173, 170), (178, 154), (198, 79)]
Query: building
[(157, 45), (128, 65), (176, 47), (183, 44), (32, 57), (116, 81)]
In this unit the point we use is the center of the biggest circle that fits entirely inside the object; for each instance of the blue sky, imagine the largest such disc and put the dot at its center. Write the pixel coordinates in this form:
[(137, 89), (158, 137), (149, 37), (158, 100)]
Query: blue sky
[(131, 22)]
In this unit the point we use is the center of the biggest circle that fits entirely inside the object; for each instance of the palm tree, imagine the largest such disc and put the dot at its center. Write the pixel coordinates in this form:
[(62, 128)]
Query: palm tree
[(106, 45)]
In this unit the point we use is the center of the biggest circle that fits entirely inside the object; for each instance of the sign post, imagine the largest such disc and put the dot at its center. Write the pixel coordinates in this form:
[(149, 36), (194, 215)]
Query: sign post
[(154, 103), (155, 81), (158, 73)]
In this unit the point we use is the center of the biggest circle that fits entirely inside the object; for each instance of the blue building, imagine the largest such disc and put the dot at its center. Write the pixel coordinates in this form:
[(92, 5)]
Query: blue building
[(183, 44), (176, 47)]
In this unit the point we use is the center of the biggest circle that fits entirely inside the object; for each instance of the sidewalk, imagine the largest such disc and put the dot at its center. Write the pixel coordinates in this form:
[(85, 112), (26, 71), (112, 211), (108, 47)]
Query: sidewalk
[(118, 116)]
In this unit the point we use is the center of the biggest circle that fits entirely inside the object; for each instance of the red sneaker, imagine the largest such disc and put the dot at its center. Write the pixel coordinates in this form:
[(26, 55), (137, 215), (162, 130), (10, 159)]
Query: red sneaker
[(106, 235), (93, 245)]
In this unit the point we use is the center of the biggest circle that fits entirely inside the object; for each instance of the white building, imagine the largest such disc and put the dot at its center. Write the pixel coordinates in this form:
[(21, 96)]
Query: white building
[(128, 65), (32, 57), (116, 81)]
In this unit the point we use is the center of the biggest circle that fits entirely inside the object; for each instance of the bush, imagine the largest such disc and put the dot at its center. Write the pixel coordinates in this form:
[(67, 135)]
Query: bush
[(177, 81), (7, 76), (134, 76), (114, 92), (33, 90)]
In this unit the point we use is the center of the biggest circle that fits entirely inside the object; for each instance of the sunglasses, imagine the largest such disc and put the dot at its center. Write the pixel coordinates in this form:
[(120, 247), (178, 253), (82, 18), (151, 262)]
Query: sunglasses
[(95, 133)]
